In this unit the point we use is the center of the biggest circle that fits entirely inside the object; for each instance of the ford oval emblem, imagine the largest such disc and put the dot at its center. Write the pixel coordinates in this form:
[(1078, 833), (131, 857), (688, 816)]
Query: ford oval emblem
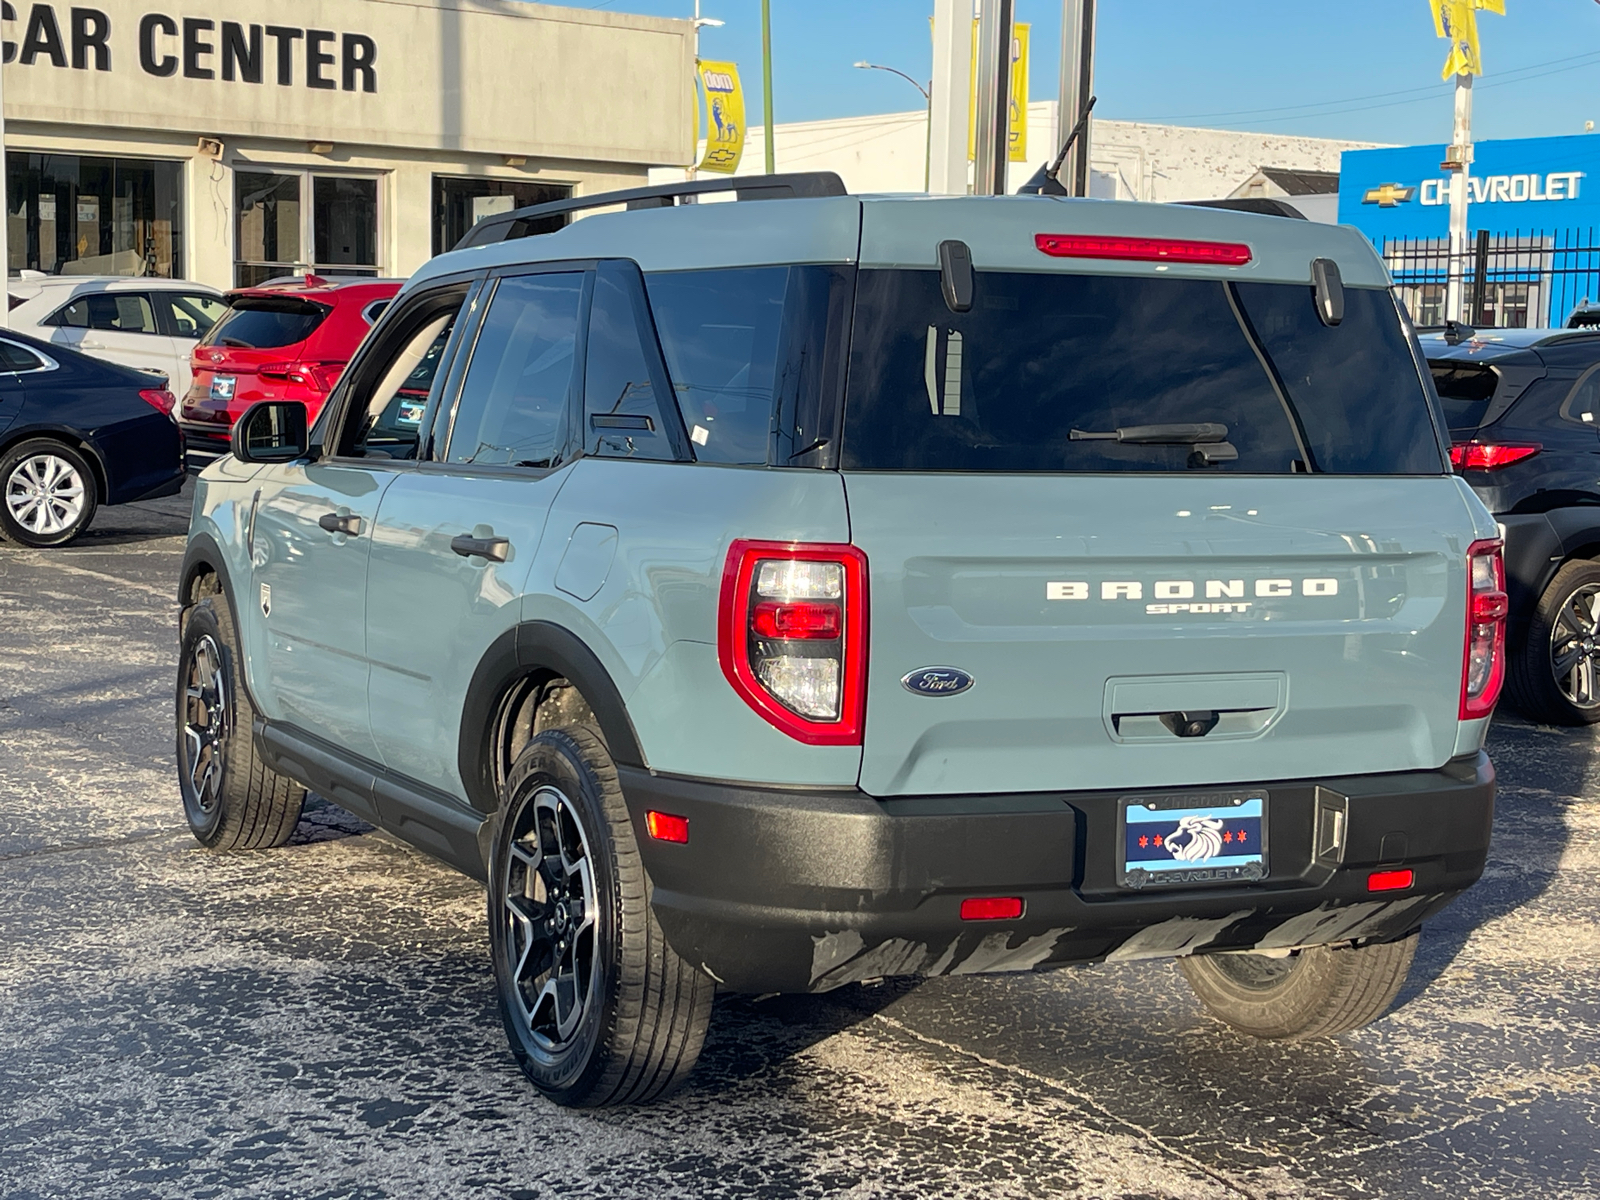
[(937, 681)]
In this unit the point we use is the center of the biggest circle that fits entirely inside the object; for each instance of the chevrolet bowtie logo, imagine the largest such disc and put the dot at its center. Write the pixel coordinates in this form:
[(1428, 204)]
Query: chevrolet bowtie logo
[(1387, 196)]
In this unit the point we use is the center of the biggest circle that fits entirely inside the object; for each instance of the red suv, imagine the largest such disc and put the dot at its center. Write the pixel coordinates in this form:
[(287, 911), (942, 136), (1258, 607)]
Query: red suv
[(285, 340)]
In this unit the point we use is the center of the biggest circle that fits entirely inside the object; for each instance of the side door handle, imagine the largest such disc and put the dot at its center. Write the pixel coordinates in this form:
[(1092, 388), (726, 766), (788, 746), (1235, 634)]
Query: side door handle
[(335, 523), (495, 549)]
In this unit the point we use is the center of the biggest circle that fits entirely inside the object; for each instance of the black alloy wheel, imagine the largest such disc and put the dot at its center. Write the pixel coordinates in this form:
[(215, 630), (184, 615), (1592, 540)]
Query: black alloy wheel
[(1553, 673)]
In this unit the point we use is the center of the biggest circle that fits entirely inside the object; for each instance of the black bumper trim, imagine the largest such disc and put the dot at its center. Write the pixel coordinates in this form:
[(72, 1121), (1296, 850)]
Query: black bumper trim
[(786, 891)]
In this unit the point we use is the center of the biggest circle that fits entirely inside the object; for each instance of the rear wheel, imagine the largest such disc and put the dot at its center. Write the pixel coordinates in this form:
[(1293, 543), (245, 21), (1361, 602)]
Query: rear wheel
[(47, 493), (1316, 993), (598, 1008), (1556, 676)]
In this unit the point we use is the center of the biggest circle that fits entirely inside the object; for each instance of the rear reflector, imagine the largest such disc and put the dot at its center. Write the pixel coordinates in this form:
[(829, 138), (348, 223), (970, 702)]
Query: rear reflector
[(666, 828), (1391, 881), (991, 908), (1483, 456), (1072, 245)]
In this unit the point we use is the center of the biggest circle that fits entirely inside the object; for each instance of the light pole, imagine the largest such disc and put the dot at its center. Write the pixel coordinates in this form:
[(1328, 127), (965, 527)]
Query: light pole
[(699, 24), (927, 97), (766, 82)]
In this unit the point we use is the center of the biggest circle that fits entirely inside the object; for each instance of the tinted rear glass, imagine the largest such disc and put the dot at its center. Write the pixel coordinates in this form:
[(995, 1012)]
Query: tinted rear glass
[(1465, 390), (1003, 387), (265, 323)]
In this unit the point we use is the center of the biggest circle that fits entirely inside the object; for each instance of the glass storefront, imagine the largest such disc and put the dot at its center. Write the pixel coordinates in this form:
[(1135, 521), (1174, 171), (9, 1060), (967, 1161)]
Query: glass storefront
[(275, 225), (459, 204), (76, 215)]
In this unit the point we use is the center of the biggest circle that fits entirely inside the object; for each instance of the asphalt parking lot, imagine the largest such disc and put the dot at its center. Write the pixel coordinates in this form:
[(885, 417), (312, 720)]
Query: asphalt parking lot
[(317, 1021)]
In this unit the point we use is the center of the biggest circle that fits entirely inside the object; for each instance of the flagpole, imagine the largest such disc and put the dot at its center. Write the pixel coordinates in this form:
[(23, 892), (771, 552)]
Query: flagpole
[(1458, 161)]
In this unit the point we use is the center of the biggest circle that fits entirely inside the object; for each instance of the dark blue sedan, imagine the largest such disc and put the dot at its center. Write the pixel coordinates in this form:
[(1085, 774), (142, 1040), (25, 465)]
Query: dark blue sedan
[(76, 433)]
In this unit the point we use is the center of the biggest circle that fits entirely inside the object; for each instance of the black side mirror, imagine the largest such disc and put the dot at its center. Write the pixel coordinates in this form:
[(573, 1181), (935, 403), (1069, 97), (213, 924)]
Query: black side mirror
[(271, 431)]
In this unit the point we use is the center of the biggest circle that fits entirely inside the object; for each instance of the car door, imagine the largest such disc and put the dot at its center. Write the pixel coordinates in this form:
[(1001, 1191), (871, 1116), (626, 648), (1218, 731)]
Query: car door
[(456, 537), (185, 317), (314, 525), (119, 327)]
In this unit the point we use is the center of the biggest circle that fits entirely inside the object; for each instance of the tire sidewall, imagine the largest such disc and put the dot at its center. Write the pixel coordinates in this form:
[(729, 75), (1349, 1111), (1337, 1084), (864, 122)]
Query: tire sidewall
[(553, 758), (91, 493), (1539, 695), (205, 620)]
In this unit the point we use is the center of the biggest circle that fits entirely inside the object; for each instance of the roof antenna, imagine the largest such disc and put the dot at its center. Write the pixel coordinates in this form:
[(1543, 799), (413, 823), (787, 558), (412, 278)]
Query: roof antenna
[(1052, 173)]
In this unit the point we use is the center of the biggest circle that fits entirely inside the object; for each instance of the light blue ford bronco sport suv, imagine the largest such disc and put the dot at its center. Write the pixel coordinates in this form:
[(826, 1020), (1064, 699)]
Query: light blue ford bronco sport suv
[(798, 591)]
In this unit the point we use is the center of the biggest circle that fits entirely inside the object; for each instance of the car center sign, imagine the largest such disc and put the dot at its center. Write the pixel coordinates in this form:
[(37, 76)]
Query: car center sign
[(1517, 185)]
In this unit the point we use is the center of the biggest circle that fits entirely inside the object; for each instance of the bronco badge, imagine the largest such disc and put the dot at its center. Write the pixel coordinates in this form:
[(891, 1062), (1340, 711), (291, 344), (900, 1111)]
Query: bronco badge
[(937, 681)]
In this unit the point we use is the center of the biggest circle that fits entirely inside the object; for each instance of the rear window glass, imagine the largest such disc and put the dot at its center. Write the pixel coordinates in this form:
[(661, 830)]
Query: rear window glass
[(265, 323), (1465, 390), (1004, 386)]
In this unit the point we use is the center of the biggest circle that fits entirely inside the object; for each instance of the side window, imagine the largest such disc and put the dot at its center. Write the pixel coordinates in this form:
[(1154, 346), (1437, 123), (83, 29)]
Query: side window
[(1583, 401), (620, 415), (121, 312), (515, 397), (71, 316), (390, 399), (189, 316), (15, 358)]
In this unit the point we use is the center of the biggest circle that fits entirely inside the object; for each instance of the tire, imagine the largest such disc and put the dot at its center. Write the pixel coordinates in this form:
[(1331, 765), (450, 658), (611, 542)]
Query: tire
[(231, 799), (1563, 627), (598, 1008), (47, 493), (1317, 993)]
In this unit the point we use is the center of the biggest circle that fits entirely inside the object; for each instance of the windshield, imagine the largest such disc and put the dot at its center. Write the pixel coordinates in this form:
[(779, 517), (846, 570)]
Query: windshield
[(1003, 387), (263, 323)]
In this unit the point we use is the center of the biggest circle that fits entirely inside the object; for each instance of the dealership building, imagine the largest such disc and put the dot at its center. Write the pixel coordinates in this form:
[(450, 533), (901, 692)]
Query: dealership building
[(230, 142), (1533, 212)]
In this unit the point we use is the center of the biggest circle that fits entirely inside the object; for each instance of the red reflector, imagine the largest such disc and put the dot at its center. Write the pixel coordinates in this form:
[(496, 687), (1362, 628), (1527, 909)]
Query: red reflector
[(666, 828), (991, 908), (1070, 245), (159, 399), (1482, 456), (1391, 881), (796, 619)]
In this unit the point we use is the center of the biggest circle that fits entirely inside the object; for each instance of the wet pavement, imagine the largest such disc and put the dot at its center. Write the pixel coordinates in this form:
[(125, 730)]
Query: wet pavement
[(317, 1021)]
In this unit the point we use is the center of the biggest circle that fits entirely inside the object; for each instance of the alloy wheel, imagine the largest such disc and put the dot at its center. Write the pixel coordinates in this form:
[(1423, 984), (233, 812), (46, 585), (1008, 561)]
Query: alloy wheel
[(551, 919), (205, 721), (45, 494), (1575, 647)]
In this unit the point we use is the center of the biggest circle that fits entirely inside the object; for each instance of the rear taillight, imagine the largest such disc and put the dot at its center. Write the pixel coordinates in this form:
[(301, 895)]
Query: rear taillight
[(1483, 669), (1486, 456), (1135, 249), (159, 399), (791, 636), (277, 372)]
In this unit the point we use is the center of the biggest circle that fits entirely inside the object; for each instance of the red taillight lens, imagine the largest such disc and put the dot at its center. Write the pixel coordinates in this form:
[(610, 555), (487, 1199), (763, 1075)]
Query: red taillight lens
[(991, 908), (1483, 667), (1391, 881), (1072, 245), (1484, 456), (665, 827), (159, 399), (791, 636), (277, 372)]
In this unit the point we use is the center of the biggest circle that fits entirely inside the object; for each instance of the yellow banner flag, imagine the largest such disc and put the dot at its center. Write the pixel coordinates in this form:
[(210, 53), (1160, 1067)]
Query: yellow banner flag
[(1457, 20), (1017, 136), (724, 116)]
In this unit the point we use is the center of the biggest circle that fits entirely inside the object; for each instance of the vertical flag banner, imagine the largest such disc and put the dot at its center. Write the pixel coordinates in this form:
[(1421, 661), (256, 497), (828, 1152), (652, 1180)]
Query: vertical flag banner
[(724, 116), (1457, 20), (1017, 138)]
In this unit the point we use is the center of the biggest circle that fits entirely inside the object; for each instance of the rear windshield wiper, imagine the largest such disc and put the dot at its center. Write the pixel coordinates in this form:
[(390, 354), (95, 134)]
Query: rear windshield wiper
[(1209, 439)]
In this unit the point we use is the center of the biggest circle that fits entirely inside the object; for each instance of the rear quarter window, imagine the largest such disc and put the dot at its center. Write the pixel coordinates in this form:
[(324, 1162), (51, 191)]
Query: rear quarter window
[(265, 323), (1465, 390), (1003, 387)]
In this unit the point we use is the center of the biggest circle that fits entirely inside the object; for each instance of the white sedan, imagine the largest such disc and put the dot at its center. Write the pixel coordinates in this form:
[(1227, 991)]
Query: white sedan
[(148, 324)]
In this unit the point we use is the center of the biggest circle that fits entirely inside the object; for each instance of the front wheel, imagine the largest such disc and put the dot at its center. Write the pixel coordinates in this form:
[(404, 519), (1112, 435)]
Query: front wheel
[(1555, 678), (49, 493), (1315, 993), (598, 1008)]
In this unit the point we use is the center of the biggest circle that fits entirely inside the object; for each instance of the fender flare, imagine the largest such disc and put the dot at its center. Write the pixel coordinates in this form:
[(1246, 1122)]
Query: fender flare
[(528, 647), (203, 551)]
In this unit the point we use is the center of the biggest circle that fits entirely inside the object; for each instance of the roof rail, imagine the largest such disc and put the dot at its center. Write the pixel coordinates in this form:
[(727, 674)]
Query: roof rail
[(503, 227)]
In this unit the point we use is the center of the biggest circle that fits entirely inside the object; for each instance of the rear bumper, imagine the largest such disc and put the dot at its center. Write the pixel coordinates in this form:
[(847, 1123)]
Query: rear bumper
[(803, 891), (203, 444)]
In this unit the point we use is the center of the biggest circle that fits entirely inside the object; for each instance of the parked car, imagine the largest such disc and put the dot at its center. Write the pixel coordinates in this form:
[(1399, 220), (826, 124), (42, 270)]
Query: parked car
[(1523, 406), (288, 339), (77, 432), (789, 593), (149, 324)]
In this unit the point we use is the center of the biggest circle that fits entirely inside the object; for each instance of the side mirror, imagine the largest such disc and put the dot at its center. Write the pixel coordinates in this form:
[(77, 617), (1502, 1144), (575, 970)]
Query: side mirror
[(271, 431)]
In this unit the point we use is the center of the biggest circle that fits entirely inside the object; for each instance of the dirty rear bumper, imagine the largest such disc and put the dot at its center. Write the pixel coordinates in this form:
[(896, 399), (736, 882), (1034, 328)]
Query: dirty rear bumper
[(795, 891)]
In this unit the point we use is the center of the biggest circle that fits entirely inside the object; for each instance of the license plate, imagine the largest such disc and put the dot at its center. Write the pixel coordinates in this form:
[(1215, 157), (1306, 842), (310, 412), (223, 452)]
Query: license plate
[(222, 387), (1193, 838)]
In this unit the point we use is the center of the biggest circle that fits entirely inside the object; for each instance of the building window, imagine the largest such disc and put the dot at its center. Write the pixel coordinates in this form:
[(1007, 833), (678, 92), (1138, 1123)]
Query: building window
[(459, 204), (276, 227), (72, 215)]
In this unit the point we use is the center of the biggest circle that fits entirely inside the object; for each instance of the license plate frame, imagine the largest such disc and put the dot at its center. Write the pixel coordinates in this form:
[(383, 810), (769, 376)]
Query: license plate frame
[(1217, 814), (224, 386)]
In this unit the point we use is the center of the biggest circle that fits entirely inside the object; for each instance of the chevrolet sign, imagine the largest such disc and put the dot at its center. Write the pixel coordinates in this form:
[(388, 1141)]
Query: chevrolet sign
[(1388, 195)]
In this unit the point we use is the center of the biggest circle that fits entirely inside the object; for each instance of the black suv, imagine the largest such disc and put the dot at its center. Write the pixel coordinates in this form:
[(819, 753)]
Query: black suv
[(1523, 406)]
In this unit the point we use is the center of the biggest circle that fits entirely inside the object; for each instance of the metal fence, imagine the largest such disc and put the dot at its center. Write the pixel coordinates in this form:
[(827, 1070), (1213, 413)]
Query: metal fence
[(1512, 280)]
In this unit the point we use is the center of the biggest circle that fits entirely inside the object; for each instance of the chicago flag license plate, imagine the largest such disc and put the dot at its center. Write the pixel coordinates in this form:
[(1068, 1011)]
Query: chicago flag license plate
[(1193, 838)]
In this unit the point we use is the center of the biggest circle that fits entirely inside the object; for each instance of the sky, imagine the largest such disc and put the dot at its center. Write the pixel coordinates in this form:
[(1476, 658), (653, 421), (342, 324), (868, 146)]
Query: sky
[(1364, 70)]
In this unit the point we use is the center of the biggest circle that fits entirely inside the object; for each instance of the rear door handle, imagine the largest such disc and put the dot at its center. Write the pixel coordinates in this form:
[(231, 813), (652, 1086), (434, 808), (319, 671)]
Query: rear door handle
[(336, 523), (495, 549)]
